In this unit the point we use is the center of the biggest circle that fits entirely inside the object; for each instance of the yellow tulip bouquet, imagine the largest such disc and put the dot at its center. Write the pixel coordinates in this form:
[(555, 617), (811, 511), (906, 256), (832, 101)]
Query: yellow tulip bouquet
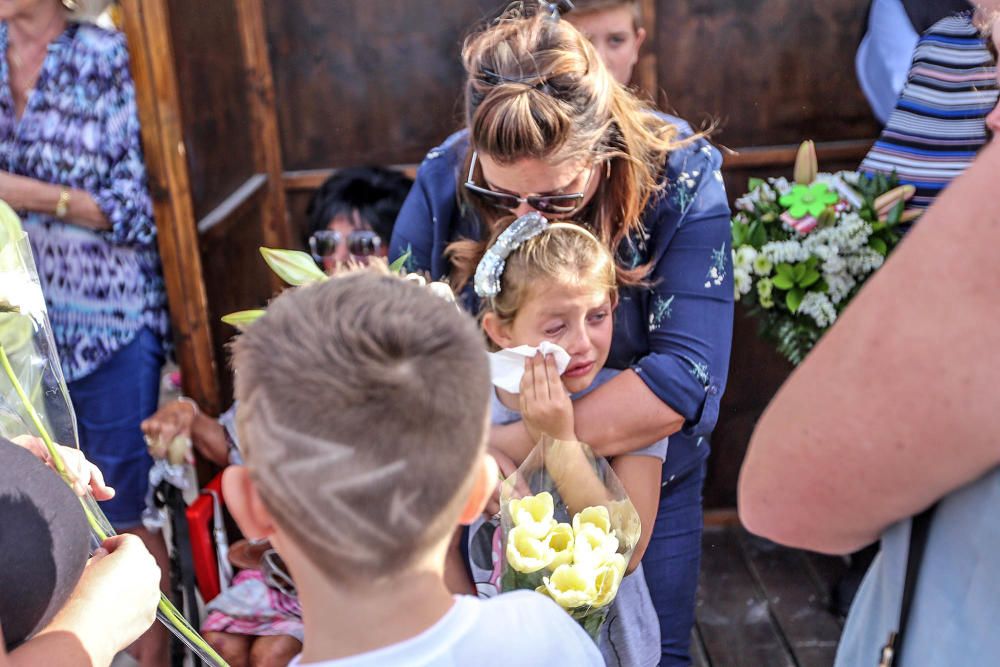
[(33, 396), (568, 530)]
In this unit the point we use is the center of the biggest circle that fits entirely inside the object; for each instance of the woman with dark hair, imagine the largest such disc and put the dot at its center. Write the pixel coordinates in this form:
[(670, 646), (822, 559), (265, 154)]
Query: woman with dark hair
[(353, 212), (549, 129)]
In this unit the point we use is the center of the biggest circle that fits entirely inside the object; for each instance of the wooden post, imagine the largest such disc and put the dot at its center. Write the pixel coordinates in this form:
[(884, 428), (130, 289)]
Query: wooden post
[(267, 144), (646, 69), (147, 28)]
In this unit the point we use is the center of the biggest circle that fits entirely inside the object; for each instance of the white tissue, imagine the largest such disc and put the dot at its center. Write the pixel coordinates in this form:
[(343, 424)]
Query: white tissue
[(507, 366)]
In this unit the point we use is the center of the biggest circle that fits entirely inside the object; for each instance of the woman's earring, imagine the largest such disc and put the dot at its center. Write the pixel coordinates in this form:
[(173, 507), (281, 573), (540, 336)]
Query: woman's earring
[(607, 169), (71, 5)]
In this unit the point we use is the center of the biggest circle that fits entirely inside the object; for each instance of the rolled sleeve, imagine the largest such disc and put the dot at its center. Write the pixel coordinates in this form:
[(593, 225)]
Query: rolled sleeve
[(123, 193), (691, 298)]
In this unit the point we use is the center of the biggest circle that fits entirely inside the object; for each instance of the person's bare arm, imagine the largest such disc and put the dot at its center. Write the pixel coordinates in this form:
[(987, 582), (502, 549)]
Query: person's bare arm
[(640, 475), (897, 406), (25, 193)]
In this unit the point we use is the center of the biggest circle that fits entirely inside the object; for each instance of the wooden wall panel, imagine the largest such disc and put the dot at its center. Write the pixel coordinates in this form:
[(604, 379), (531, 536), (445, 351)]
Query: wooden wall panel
[(215, 110), (235, 279), (374, 82), (771, 71)]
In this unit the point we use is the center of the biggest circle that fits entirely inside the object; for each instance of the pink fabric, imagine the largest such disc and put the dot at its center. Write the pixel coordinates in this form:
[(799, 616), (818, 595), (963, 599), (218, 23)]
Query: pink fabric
[(251, 607)]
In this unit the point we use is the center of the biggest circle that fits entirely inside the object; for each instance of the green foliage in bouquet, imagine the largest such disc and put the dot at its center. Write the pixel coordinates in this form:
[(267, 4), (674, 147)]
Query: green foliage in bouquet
[(803, 249)]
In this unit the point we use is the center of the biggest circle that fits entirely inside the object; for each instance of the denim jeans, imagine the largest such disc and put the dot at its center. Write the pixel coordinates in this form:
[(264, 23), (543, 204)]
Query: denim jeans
[(110, 403), (672, 561)]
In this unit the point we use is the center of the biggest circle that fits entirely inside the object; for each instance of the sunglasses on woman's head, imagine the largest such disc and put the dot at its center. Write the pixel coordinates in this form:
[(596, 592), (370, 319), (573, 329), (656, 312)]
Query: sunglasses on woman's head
[(551, 204), (360, 243)]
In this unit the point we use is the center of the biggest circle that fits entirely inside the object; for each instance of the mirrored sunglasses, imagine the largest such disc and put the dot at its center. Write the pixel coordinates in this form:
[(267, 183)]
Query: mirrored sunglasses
[(360, 243)]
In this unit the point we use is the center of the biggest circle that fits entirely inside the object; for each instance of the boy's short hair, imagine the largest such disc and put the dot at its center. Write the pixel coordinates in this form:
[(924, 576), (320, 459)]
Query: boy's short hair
[(362, 415), (587, 6)]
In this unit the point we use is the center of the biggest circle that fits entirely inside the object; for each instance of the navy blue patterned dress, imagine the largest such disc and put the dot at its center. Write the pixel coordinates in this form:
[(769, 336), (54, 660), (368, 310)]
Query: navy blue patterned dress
[(81, 129), (676, 335)]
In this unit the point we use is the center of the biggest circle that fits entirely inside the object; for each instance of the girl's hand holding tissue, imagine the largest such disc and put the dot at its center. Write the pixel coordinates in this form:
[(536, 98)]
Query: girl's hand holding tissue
[(545, 404)]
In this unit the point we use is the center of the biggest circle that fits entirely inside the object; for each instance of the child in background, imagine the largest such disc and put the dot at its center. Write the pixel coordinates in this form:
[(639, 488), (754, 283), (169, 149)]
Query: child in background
[(615, 29), (362, 420), (557, 284)]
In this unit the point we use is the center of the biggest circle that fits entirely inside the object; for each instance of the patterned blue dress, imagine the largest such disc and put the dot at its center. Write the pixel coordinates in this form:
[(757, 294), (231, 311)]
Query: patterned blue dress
[(81, 129), (676, 335)]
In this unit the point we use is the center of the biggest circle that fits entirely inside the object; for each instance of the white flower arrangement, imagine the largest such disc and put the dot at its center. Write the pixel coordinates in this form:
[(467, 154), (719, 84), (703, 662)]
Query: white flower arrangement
[(802, 249)]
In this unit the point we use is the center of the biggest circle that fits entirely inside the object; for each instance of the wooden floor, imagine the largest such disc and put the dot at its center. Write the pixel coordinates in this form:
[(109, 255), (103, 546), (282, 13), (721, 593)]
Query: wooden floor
[(761, 605)]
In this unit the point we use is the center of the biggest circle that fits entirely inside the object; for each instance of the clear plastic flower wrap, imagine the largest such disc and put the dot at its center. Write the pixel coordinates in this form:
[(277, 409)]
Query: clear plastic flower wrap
[(33, 396), (568, 530)]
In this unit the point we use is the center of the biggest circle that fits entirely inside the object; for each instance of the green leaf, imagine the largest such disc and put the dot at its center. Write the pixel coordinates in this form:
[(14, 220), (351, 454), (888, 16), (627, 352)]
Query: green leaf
[(799, 273), (879, 246), (740, 234), (243, 318), (786, 270), (293, 266), (758, 235), (794, 299), (782, 281), (754, 183), (399, 266), (896, 213), (810, 278)]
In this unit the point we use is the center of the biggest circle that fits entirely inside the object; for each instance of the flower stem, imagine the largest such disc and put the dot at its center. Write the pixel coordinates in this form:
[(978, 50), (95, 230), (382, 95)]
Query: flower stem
[(99, 524)]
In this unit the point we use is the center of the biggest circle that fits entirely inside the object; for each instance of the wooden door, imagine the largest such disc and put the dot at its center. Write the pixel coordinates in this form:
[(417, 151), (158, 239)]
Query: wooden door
[(206, 103)]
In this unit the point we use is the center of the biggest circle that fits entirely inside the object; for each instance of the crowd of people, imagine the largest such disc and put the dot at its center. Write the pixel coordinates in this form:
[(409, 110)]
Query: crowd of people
[(363, 449)]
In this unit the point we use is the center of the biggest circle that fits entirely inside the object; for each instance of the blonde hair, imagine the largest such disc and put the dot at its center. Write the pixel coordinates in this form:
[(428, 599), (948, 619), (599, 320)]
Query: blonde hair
[(563, 254), (363, 409), (537, 89)]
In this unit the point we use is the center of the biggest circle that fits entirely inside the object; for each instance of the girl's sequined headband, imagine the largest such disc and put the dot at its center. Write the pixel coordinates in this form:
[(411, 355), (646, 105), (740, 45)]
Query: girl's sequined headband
[(491, 266)]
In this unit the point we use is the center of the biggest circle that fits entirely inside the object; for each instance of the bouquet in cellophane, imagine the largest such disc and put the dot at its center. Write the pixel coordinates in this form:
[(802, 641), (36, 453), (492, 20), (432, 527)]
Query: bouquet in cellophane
[(33, 396), (802, 249), (569, 530)]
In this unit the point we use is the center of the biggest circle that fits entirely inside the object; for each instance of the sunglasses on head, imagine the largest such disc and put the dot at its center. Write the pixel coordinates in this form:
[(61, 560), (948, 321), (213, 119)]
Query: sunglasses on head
[(360, 243), (552, 204)]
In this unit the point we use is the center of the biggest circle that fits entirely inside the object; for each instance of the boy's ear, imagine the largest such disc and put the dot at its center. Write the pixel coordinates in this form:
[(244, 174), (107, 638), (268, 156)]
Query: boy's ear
[(487, 477), (244, 503), (497, 330)]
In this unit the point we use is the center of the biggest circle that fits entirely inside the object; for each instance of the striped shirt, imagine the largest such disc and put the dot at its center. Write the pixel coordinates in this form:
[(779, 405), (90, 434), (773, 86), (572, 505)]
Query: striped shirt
[(938, 125)]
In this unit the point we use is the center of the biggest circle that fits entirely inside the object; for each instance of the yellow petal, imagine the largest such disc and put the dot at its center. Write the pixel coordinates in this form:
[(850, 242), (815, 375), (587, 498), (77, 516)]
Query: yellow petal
[(593, 547), (571, 586), (560, 540), (527, 554), (608, 579), (534, 514), (596, 516)]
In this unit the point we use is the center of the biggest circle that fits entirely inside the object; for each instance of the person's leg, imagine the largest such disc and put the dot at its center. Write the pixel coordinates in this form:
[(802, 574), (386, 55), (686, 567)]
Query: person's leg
[(276, 651), (671, 564), (110, 403), (234, 649)]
